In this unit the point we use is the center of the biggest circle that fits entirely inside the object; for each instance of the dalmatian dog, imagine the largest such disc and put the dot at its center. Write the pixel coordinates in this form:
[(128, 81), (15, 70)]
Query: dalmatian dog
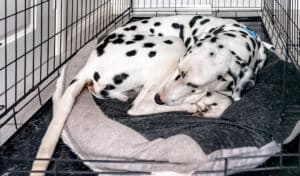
[(235, 65), (151, 56)]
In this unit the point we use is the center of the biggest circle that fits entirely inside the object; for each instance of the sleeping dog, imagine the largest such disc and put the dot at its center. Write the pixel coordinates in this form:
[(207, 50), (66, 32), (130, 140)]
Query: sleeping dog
[(222, 59)]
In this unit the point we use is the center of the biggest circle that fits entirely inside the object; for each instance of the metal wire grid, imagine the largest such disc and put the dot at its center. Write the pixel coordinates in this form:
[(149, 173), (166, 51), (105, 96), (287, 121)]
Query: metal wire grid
[(280, 164), (215, 7), (88, 19), (39, 36)]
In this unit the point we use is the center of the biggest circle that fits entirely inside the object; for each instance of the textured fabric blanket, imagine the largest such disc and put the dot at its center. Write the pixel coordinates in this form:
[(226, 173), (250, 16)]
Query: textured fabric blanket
[(182, 143)]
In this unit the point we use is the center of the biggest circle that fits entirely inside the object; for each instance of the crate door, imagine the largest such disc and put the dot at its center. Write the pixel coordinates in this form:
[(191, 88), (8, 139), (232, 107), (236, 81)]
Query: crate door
[(25, 48)]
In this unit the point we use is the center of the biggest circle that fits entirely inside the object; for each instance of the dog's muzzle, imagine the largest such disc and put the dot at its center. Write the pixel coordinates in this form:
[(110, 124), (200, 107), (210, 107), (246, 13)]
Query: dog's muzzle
[(157, 99)]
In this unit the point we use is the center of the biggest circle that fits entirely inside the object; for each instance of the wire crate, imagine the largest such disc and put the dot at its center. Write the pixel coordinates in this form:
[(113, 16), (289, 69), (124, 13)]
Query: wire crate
[(37, 37)]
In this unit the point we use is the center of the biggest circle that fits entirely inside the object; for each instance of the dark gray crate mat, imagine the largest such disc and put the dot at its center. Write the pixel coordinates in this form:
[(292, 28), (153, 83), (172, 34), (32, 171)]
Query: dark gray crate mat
[(253, 121)]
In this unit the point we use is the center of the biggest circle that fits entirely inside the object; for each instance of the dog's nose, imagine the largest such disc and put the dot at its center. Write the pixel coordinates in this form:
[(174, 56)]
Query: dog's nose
[(158, 100)]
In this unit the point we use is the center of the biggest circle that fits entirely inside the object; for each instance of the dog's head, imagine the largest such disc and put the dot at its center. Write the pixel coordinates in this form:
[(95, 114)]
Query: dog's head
[(199, 70)]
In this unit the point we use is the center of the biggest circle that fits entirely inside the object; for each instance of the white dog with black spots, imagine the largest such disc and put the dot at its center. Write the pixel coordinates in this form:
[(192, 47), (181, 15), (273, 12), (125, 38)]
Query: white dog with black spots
[(187, 63)]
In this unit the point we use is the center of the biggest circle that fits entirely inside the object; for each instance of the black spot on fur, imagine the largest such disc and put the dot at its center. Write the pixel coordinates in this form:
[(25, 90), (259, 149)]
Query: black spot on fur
[(244, 33), (241, 74), (233, 76), (259, 44), (199, 44), (233, 53), (255, 68), (181, 28), (131, 28), (193, 91), (230, 86), (204, 21), (193, 20), (176, 25), (111, 36), (236, 25), (124, 76), (244, 36), (218, 31), (239, 58), (195, 31), (152, 54), (121, 35), (249, 60), (221, 78), (144, 21), (168, 41), (214, 39), (157, 24), (104, 93), (177, 77), (208, 94), (73, 81), (138, 37), (211, 53), (109, 87), (253, 42), (189, 48), (220, 46), (151, 30), (118, 41), (129, 42), (212, 29), (118, 79), (96, 76), (131, 53), (160, 34), (100, 48), (149, 45), (187, 42), (192, 85), (230, 35), (248, 47)]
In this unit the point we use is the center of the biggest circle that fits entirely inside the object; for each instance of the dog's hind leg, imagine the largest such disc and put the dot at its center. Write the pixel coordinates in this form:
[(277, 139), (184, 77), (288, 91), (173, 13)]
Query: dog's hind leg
[(62, 106)]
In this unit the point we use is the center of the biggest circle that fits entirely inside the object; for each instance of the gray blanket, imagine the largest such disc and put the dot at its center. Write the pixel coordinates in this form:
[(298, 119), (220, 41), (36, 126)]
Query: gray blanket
[(178, 141)]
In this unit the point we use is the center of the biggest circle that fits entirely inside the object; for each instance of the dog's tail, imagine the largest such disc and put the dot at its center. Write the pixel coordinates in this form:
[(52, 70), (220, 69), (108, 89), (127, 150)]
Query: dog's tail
[(63, 102)]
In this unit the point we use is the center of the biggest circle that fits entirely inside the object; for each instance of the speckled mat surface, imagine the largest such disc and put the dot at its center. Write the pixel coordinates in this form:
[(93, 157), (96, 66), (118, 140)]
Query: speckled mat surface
[(253, 121), (250, 126)]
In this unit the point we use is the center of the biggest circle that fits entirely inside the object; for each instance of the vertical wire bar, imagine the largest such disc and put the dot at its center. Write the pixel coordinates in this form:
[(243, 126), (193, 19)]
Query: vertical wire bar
[(90, 23), (54, 34), (60, 32), (41, 47), (48, 37), (66, 28), (71, 46), (25, 46), (81, 22), (85, 21), (97, 19), (33, 42), (94, 10), (5, 52), (16, 51), (76, 30), (226, 167)]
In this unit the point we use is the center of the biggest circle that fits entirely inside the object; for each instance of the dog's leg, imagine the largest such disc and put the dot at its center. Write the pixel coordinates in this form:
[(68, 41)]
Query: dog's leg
[(61, 109), (146, 105), (213, 105)]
